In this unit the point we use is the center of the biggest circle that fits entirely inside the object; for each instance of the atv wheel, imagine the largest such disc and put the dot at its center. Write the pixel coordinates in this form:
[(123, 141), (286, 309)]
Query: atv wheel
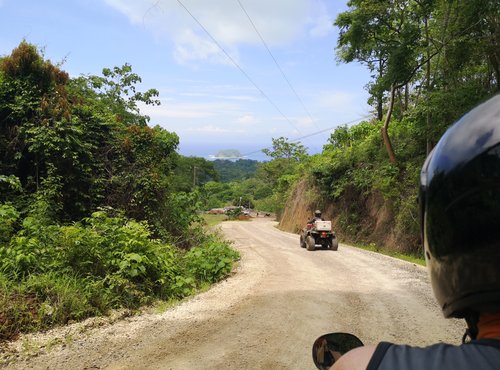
[(302, 241), (334, 245), (311, 243)]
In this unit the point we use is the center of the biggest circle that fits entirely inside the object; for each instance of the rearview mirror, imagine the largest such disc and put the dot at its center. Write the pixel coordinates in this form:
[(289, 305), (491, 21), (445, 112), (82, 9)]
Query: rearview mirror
[(329, 347)]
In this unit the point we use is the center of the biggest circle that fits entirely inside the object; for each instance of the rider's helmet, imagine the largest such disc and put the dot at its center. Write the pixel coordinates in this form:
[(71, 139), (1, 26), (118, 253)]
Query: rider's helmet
[(460, 213), (317, 213)]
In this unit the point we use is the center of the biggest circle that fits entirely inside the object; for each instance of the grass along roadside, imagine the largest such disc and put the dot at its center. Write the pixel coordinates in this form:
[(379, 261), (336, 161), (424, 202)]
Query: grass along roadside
[(213, 220), (405, 257), (31, 344)]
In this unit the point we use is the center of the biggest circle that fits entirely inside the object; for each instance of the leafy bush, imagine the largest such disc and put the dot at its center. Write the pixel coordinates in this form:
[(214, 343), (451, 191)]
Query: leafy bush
[(8, 217), (210, 262), (234, 213), (95, 247), (51, 274)]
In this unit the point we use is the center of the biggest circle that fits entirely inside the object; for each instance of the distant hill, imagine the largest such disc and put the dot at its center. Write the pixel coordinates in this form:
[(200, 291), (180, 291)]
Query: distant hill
[(231, 170), (228, 153)]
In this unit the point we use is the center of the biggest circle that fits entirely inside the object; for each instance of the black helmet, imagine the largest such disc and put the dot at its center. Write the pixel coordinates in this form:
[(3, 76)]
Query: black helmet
[(460, 213), (317, 213)]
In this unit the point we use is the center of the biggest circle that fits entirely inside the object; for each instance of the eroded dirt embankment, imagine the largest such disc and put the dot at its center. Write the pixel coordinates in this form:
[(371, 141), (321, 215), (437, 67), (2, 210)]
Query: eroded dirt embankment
[(374, 219)]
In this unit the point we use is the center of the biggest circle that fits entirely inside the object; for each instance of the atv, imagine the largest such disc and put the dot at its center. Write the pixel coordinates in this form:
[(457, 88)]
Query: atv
[(319, 233)]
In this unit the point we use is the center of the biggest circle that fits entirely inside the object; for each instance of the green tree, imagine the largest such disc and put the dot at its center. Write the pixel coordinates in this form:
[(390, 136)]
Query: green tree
[(191, 172), (240, 169), (387, 36), (41, 137), (446, 49), (282, 171), (282, 148), (80, 144), (116, 90)]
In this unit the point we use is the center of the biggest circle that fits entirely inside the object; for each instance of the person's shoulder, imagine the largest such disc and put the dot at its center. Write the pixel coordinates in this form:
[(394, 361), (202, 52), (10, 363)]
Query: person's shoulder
[(440, 356), (449, 356), (355, 359)]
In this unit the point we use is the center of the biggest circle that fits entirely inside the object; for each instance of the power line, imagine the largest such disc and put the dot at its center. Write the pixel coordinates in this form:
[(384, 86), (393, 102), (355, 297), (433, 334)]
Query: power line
[(309, 135), (257, 87), (277, 65), (238, 66)]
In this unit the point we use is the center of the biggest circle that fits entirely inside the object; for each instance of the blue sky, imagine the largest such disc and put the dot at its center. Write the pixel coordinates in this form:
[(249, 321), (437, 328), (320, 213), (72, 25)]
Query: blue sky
[(211, 103)]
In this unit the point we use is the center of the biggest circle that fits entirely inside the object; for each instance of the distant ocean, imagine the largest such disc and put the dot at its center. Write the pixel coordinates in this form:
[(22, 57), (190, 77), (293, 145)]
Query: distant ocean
[(208, 150), (247, 150)]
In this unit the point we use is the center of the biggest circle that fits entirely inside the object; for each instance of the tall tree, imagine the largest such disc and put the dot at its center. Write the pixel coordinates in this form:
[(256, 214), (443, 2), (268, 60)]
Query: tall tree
[(387, 36), (282, 148)]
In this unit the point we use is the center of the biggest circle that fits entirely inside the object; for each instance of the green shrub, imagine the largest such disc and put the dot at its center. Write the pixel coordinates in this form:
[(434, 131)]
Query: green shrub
[(234, 213), (211, 262), (8, 217), (52, 274)]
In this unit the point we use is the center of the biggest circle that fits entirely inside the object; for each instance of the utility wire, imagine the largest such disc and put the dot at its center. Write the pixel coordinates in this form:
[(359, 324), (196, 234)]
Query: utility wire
[(309, 135), (277, 64), (238, 66)]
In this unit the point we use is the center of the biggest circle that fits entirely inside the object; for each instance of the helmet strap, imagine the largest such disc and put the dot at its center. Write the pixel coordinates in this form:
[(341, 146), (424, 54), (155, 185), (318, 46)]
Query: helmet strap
[(472, 330)]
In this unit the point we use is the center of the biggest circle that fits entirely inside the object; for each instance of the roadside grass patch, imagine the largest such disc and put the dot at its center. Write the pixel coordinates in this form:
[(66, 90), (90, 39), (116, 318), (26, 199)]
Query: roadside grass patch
[(213, 220), (405, 257), (161, 306)]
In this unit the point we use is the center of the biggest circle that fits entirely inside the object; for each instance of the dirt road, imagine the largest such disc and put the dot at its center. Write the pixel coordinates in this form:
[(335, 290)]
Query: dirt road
[(268, 314)]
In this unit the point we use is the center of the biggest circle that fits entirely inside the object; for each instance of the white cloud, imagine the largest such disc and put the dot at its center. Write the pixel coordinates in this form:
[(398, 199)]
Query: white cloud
[(247, 119), (336, 100), (305, 122), (322, 27), (278, 21), (285, 131), (211, 129), (245, 98), (173, 109), (321, 22), (192, 47), (341, 106)]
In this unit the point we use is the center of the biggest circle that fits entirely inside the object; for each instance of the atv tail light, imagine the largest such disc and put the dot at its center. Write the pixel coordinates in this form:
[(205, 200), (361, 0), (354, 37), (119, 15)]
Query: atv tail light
[(323, 234)]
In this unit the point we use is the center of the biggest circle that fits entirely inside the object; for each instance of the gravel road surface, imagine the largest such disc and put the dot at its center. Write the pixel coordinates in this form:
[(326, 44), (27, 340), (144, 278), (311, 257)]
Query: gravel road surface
[(266, 316)]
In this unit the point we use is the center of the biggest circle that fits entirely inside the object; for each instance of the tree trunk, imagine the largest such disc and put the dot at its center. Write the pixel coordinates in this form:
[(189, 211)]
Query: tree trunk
[(380, 97), (385, 128), (401, 104), (407, 96), (380, 107)]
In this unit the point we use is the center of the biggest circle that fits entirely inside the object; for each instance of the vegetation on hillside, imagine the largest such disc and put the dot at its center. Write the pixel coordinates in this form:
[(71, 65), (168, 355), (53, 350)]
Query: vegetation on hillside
[(261, 185), (431, 61), (239, 169), (94, 211)]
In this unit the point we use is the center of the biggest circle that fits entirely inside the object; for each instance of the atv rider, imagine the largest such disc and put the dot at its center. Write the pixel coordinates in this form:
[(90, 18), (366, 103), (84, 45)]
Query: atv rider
[(317, 217), (460, 228)]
